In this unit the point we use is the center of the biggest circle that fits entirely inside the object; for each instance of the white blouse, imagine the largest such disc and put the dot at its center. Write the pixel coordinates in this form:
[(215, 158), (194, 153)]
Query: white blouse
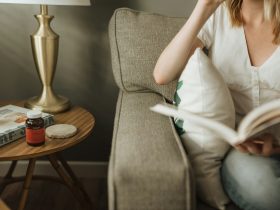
[(250, 86)]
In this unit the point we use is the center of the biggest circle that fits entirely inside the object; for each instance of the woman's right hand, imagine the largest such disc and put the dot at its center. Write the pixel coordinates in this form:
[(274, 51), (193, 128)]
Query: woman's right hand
[(262, 145)]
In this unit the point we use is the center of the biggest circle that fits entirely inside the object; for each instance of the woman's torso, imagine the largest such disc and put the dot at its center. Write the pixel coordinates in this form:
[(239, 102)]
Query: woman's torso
[(250, 86)]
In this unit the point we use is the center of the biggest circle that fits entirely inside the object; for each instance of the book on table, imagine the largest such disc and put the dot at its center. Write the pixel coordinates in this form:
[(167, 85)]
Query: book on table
[(255, 122), (12, 123)]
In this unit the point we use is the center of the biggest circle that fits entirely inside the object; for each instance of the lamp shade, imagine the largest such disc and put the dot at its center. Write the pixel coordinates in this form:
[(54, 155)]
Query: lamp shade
[(49, 2)]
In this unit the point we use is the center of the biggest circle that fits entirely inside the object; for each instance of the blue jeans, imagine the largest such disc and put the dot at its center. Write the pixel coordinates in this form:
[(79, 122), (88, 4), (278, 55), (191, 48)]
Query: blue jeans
[(252, 182)]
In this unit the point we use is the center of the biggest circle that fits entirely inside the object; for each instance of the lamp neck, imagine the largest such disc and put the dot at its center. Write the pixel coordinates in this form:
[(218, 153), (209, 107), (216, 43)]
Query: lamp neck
[(44, 9)]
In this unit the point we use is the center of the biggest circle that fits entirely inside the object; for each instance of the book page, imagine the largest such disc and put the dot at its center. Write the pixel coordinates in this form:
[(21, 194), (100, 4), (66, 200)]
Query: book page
[(264, 126), (258, 116), (265, 121), (13, 117), (220, 129)]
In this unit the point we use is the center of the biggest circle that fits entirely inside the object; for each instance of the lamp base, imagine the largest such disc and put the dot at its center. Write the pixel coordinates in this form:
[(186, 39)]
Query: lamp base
[(45, 51), (56, 104)]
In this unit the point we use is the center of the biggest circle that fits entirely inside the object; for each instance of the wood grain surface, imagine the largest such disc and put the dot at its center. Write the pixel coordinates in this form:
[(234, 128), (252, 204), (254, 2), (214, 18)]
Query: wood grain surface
[(77, 116)]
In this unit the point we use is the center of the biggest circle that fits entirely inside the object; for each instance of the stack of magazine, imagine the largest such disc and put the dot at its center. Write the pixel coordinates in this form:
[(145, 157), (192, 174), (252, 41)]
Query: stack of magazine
[(12, 123)]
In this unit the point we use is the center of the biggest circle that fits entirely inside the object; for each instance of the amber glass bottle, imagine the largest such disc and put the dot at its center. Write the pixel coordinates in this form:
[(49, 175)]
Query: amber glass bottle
[(35, 129)]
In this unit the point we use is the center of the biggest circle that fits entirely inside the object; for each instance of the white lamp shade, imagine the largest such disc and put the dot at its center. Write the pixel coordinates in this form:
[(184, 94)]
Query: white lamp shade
[(49, 2)]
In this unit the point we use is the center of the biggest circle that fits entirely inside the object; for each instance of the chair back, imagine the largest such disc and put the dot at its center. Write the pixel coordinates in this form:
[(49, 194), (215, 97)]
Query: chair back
[(137, 40)]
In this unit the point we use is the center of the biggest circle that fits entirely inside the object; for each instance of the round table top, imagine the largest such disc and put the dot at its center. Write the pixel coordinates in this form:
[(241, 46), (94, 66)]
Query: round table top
[(77, 116)]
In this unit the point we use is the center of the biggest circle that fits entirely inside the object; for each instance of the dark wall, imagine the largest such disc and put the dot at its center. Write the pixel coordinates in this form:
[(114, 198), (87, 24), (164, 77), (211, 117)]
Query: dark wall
[(84, 68)]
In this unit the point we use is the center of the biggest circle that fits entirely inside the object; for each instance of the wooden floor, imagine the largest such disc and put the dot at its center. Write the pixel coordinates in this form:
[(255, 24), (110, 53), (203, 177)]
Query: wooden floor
[(45, 195)]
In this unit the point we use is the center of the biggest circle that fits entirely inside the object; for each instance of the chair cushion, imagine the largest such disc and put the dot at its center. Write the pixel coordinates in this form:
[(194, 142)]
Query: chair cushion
[(202, 90), (137, 40)]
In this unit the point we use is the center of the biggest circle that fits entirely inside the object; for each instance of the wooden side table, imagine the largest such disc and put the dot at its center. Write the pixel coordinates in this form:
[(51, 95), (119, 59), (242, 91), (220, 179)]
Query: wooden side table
[(19, 150)]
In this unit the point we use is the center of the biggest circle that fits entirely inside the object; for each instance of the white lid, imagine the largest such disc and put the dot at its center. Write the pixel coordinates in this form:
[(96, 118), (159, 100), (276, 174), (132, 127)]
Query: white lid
[(34, 114)]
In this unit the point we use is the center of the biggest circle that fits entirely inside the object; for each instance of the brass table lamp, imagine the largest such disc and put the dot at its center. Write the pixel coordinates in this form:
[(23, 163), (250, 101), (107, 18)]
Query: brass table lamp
[(45, 44)]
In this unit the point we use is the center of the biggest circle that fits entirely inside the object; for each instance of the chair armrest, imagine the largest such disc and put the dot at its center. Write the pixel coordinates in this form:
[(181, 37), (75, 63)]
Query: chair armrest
[(148, 167)]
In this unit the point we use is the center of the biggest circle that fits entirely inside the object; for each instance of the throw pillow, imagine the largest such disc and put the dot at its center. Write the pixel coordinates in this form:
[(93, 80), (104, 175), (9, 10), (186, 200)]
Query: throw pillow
[(202, 90)]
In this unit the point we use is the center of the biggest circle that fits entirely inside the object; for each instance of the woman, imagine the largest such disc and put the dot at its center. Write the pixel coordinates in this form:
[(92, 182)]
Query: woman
[(243, 38)]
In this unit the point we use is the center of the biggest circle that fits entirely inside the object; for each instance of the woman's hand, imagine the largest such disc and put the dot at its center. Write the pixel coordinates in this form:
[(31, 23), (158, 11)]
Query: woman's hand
[(262, 145)]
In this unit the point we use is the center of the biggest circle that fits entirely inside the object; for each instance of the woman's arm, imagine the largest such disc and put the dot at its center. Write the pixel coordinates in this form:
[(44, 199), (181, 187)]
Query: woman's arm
[(175, 56)]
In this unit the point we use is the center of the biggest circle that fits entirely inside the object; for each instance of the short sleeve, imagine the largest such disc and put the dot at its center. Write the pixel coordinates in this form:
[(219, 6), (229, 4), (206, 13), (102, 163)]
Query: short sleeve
[(207, 32)]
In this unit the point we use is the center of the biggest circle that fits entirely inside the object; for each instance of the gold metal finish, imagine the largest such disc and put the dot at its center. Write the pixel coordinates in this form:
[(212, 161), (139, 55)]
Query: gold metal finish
[(45, 44)]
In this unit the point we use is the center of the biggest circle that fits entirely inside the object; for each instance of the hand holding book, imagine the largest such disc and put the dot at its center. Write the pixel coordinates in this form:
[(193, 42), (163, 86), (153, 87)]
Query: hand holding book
[(253, 123), (261, 145)]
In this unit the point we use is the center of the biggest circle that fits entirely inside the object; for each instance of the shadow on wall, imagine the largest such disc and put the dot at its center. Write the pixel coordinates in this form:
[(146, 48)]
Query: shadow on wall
[(84, 71), (84, 68), (96, 89)]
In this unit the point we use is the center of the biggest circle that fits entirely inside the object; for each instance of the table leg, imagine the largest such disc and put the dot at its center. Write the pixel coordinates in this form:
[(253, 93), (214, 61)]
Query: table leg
[(8, 176), (11, 169), (26, 184), (76, 181), (68, 181)]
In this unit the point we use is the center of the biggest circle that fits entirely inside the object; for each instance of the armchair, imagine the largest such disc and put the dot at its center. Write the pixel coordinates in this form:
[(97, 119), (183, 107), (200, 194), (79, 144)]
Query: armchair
[(149, 167)]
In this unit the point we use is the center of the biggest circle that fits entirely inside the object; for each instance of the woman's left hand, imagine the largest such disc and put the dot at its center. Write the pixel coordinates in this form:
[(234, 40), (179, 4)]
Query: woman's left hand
[(262, 145)]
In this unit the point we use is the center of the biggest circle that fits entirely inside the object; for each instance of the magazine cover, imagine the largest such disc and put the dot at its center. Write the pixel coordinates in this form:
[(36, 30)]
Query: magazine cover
[(12, 123)]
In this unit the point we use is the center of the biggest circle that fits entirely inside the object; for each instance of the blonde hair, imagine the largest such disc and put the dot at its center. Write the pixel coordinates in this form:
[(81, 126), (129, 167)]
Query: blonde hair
[(271, 12)]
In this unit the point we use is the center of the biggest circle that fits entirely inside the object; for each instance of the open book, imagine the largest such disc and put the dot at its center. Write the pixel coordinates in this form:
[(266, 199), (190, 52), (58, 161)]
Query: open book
[(253, 123)]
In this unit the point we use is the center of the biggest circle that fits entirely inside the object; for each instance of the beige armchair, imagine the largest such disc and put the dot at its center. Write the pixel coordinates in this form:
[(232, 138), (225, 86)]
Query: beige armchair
[(149, 168)]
